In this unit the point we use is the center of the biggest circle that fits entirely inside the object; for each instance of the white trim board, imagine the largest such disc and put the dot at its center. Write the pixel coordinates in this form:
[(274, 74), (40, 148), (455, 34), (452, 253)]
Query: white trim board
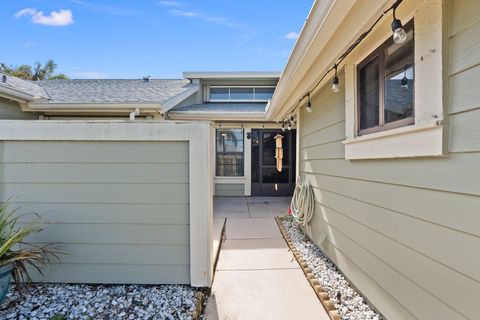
[(426, 136), (198, 134)]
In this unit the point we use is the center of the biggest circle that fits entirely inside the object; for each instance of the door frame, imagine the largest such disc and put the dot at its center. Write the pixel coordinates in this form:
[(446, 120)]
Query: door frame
[(267, 189)]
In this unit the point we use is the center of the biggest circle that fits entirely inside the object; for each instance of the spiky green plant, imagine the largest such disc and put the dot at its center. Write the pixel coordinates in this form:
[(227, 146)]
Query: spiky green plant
[(17, 251)]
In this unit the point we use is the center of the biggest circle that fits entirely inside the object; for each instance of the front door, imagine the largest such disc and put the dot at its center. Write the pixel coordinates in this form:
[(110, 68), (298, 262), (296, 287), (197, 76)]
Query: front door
[(266, 180)]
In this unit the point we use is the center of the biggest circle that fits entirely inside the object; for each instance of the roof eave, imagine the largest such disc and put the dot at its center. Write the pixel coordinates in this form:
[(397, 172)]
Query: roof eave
[(94, 108), (324, 19), (13, 94), (175, 100), (223, 116), (232, 75)]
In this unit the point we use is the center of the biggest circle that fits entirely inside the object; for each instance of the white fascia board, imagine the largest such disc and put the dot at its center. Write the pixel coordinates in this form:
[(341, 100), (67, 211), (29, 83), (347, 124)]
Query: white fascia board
[(91, 108), (16, 95), (175, 100), (258, 116), (232, 75), (82, 106)]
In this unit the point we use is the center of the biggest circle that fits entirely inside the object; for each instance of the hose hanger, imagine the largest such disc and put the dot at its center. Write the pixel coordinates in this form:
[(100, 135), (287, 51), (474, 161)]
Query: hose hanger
[(303, 204)]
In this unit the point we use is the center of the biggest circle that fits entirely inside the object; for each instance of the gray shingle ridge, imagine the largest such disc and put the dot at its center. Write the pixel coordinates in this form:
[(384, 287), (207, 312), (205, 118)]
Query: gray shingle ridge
[(114, 90)]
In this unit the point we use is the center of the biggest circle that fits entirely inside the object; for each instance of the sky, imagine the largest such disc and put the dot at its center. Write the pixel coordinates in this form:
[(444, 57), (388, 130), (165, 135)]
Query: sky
[(160, 38)]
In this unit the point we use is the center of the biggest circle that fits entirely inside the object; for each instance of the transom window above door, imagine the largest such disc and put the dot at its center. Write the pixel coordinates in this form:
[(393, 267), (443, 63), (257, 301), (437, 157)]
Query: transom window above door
[(386, 86), (221, 93)]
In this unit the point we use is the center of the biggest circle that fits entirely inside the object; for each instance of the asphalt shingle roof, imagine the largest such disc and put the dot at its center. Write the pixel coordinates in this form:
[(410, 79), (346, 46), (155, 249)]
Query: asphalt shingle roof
[(113, 90), (25, 86), (222, 107)]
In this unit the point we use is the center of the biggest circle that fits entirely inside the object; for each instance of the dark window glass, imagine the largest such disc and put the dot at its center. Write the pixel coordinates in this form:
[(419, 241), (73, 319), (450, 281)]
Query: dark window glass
[(386, 86), (219, 94), (264, 93), (255, 155), (294, 158), (241, 93), (229, 153), (268, 152), (271, 175), (230, 165), (399, 80), (369, 95)]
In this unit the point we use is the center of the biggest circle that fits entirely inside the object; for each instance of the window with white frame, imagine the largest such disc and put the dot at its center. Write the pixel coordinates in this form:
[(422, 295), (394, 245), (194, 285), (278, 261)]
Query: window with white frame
[(394, 93), (229, 153), (386, 86), (221, 94)]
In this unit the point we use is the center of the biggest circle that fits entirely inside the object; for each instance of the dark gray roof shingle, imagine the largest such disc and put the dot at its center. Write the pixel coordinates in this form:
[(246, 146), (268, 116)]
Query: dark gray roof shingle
[(113, 90)]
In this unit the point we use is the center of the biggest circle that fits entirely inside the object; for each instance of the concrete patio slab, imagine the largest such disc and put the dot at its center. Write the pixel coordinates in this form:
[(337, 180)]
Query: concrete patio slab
[(230, 207), (257, 277), (268, 208), (263, 294), (268, 199), (256, 254), (252, 229)]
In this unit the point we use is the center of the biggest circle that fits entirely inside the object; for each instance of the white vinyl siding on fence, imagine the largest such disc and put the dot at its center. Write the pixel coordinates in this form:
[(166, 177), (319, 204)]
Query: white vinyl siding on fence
[(405, 231), (119, 209)]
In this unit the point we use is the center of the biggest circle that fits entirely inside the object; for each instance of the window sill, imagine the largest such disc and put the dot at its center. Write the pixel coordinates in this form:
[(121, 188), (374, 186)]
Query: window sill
[(229, 180), (421, 140)]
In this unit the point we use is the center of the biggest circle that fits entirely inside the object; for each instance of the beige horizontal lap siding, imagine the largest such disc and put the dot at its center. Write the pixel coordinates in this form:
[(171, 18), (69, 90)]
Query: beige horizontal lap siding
[(119, 209), (232, 189), (11, 110), (405, 231)]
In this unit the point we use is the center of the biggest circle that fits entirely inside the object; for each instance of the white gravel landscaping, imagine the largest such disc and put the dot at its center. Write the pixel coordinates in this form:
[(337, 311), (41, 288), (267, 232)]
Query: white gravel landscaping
[(63, 301), (349, 303)]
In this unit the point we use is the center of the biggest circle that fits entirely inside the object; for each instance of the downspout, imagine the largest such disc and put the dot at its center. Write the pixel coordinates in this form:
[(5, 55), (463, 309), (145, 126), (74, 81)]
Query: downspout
[(134, 113)]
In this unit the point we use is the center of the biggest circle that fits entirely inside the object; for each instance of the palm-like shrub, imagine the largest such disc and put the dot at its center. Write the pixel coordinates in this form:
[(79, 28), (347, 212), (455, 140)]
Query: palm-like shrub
[(16, 251)]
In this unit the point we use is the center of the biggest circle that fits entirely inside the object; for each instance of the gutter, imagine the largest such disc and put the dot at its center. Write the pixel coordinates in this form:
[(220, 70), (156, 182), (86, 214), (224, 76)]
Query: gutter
[(92, 108), (188, 115), (232, 75), (13, 94), (108, 107)]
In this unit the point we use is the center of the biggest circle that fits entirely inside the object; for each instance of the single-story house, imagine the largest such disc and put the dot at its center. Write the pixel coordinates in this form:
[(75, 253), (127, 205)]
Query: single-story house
[(117, 166), (384, 129)]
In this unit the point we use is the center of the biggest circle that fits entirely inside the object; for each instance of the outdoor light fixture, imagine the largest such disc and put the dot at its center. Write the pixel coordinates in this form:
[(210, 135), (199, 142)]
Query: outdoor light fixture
[(399, 37), (335, 88), (309, 105), (404, 83), (289, 127), (399, 34), (283, 126)]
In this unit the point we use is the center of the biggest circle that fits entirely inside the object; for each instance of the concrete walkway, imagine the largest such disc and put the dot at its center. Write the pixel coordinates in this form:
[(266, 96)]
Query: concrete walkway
[(257, 277)]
